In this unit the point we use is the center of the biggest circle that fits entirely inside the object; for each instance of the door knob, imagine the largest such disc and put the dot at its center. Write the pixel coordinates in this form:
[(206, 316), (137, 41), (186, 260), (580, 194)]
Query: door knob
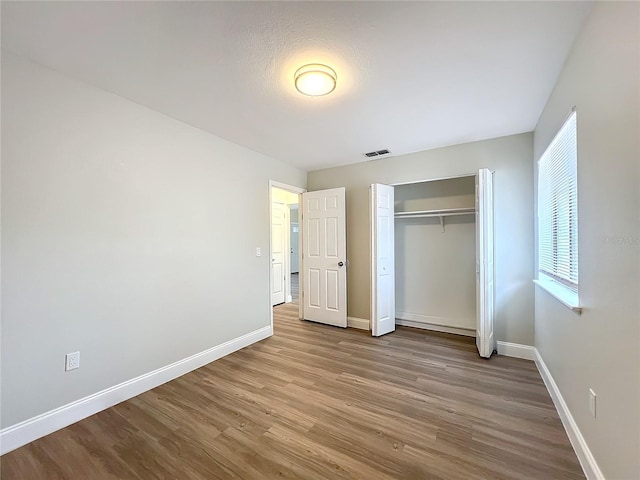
[(340, 264)]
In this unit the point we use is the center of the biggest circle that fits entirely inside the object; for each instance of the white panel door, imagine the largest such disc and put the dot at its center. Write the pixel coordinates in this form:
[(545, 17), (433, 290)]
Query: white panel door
[(278, 253), (324, 249), (484, 264), (383, 294)]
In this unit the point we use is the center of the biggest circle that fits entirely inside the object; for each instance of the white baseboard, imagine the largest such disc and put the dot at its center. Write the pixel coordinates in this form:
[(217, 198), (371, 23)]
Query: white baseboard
[(458, 326), (401, 319), (361, 323), (29, 430), (588, 463), (516, 350)]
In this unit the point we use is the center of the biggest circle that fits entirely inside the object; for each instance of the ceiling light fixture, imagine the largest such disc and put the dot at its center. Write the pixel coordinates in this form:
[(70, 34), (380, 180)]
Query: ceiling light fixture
[(315, 79)]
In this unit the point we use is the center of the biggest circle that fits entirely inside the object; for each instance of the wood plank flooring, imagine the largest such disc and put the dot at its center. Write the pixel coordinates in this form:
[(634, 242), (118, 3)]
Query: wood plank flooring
[(318, 402)]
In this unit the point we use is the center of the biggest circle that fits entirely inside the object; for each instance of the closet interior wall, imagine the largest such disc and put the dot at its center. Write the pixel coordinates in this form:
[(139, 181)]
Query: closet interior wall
[(436, 269)]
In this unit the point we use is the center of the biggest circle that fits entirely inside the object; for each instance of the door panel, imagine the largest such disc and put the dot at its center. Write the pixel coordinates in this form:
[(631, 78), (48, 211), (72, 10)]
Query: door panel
[(278, 253), (485, 340), (333, 287), (331, 229), (294, 260), (278, 282), (324, 289), (384, 301), (313, 277), (383, 296), (313, 237)]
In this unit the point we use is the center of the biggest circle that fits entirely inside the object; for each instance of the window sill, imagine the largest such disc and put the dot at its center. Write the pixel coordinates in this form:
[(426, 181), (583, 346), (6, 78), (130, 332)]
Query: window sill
[(568, 299)]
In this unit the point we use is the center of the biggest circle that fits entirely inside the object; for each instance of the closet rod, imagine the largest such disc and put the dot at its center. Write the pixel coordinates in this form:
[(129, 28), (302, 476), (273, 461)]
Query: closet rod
[(426, 215), (436, 213)]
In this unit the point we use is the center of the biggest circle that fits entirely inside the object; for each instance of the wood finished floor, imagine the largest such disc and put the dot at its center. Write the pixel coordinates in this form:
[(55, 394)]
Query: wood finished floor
[(318, 402)]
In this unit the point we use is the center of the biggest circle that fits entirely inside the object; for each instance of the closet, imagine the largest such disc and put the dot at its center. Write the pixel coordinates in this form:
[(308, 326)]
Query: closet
[(432, 257)]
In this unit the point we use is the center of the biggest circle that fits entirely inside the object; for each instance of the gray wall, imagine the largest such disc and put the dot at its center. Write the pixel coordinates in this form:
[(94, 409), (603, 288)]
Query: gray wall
[(599, 349), (120, 239), (511, 158)]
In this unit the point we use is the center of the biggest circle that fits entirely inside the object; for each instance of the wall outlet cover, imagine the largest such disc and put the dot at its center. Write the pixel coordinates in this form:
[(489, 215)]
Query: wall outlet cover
[(72, 361)]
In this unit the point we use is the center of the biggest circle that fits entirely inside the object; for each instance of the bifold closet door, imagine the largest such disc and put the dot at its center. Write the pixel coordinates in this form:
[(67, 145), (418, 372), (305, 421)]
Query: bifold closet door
[(484, 263), (383, 295)]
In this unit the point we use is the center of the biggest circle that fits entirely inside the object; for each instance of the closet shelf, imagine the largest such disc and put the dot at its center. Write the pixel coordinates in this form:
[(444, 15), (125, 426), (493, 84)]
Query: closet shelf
[(446, 212), (442, 213)]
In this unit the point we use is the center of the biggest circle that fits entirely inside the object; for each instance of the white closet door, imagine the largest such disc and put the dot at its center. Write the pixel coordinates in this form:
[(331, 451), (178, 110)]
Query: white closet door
[(383, 295), (484, 263)]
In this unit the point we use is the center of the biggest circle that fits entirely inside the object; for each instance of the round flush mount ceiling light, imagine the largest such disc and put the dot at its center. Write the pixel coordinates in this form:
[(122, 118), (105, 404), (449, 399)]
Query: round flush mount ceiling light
[(315, 79)]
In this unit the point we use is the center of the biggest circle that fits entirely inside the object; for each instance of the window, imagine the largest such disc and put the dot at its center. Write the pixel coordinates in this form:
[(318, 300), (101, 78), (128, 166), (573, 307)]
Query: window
[(558, 215)]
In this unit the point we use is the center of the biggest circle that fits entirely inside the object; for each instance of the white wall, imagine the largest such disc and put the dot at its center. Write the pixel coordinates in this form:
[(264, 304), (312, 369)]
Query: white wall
[(510, 157), (600, 349), (120, 239)]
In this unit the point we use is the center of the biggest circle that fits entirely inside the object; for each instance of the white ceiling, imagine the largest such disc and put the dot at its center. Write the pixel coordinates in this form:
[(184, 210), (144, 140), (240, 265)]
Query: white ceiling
[(411, 76)]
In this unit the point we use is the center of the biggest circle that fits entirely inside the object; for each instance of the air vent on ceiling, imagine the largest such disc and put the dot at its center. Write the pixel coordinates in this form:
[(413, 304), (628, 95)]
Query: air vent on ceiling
[(376, 153)]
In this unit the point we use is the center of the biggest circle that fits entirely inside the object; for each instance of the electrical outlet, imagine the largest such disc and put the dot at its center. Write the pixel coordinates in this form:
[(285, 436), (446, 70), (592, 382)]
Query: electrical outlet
[(258, 252), (592, 402), (72, 361)]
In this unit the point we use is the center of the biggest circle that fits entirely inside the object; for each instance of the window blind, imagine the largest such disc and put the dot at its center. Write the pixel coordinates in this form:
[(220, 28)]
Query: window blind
[(558, 207)]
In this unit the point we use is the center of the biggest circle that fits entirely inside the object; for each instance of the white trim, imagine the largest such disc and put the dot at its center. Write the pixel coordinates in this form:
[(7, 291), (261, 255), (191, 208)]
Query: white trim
[(588, 463), (436, 328), (430, 322), (516, 350), (29, 430), (287, 187), (411, 182), (372, 259), (361, 323), (561, 293)]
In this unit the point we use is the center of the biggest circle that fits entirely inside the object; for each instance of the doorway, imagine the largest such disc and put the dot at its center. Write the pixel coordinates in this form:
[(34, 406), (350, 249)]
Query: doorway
[(294, 251), (284, 241)]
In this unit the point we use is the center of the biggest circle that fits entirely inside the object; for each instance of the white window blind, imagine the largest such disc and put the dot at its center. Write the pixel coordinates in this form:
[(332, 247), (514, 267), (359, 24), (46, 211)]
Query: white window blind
[(558, 208)]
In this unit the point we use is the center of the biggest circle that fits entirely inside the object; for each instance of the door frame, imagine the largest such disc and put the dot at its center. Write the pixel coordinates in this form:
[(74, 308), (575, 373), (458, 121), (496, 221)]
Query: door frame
[(293, 189), (435, 179), (372, 297)]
